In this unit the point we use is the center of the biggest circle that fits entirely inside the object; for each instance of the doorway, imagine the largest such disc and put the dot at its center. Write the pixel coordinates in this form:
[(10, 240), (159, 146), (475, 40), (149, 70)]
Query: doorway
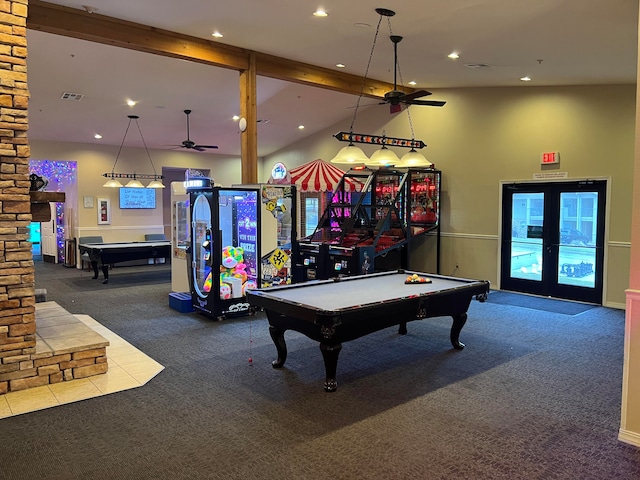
[(558, 226)]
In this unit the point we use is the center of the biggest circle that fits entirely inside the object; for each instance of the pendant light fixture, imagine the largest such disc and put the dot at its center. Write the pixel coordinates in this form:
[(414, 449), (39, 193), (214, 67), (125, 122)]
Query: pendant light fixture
[(134, 182), (384, 156)]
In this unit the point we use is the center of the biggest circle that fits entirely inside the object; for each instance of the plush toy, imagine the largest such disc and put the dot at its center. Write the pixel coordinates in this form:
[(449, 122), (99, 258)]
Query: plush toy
[(225, 291), (232, 266), (249, 285), (208, 282), (240, 271), (231, 256)]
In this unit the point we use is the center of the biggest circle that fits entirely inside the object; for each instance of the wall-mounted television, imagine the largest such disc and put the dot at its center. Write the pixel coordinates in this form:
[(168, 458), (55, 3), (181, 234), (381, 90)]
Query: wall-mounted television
[(137, 197)]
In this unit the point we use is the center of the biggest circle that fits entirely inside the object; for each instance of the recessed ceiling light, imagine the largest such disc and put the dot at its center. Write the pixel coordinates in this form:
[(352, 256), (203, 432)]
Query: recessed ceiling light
[(412, 83), (131, 103), (320, 13), (236, 118), (341, 65), (454, 55), (525, 79), (97, 136), (217, 34), (300, 127)]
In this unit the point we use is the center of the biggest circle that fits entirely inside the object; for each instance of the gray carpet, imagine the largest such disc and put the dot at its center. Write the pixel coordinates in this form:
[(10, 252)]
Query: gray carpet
[(563, 307), (534, 395)]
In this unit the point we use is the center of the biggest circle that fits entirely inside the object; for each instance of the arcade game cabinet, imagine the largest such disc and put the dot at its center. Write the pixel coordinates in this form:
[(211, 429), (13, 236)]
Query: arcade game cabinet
[(224, 254)]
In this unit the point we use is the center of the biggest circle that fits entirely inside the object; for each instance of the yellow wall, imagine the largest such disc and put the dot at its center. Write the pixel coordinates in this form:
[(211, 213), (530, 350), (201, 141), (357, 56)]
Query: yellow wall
[(483, 136), (94, 160)]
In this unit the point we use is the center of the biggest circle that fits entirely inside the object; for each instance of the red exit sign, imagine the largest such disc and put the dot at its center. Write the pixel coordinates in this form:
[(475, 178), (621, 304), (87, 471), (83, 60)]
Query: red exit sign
[(549, 157)]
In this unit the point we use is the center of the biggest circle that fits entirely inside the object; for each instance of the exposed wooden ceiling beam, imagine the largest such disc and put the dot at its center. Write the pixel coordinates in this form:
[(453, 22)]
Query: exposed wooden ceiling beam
[(74, 23)]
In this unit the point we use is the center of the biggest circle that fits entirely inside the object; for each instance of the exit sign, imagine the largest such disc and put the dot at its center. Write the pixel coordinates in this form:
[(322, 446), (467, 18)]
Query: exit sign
[(549, 158)]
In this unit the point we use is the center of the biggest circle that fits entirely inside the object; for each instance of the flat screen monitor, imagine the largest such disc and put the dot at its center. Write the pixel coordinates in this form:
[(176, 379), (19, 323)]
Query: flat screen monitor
[(137, 198)]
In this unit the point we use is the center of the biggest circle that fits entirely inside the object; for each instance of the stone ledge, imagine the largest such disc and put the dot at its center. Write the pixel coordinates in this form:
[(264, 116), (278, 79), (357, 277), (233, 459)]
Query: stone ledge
[(66, 348)]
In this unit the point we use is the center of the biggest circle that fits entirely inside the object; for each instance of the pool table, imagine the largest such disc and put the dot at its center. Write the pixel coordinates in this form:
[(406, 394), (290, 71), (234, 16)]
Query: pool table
[(110, 253), (345, 308)]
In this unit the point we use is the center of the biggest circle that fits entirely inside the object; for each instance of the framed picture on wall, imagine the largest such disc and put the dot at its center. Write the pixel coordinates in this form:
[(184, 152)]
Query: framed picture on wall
[(104, 211)]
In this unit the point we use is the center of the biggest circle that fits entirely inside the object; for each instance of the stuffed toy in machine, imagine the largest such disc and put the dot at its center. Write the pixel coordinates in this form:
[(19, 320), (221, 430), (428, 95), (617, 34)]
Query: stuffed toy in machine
[(208, 280), (232, 272)]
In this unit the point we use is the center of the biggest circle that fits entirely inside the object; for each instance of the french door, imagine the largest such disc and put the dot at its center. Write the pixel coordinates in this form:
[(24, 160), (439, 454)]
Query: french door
[(553, 239)]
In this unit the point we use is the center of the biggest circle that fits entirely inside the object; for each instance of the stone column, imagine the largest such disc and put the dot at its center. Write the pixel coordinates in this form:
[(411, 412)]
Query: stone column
[(17, 299)]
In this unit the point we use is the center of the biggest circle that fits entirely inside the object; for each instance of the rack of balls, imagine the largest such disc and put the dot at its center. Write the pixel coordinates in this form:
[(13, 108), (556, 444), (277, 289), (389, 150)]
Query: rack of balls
[(415, 278)]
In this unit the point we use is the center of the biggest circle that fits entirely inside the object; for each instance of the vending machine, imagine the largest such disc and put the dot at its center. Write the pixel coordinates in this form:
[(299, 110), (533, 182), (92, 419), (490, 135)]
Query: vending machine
[(224, 253)]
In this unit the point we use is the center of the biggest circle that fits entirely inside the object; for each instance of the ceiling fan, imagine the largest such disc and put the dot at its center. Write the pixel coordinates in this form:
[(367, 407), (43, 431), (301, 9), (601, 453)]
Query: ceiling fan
[(188, 143), (395, 97)]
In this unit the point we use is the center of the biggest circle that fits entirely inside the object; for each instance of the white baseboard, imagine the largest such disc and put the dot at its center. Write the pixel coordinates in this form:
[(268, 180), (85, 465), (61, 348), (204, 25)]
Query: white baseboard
[(631, 438)]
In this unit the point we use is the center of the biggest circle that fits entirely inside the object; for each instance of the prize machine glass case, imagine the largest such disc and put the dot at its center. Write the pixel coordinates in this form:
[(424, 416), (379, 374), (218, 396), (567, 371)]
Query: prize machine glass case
[(370, 230), (277, 234), (225, 249), (179, 237)]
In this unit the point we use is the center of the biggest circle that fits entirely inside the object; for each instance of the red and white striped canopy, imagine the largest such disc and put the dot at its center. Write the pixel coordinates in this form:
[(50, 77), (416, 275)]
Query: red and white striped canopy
[(321, 176)]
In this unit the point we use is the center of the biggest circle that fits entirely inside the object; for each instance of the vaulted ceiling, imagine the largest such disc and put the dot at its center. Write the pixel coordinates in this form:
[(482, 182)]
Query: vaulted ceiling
[(569, 42)]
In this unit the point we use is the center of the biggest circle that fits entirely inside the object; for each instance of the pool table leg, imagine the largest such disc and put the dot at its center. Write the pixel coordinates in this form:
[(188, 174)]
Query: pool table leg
[(330, 355), (458, 322), (277, 335)]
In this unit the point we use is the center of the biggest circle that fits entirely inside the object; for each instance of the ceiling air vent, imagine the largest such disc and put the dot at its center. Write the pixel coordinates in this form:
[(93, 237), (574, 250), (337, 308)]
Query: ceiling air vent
[(477, 65), (71, 96), (263, 121)]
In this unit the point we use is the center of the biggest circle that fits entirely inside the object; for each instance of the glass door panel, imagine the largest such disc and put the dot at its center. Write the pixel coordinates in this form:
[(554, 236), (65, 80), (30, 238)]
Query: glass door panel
[(578, 224), (526, 236), (558, 225)]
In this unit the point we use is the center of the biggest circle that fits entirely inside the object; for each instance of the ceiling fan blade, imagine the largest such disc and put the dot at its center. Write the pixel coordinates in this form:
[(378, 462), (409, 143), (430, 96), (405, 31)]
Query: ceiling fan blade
[(205, 146), (416, 94), (429, 103)]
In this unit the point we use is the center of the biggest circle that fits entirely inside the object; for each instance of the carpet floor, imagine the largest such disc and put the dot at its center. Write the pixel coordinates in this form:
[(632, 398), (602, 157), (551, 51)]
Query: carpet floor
[(534, 395), (563, 307)]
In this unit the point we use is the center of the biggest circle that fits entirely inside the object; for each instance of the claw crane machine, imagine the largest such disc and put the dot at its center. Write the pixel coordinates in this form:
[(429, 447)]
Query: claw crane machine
[(224, 254)]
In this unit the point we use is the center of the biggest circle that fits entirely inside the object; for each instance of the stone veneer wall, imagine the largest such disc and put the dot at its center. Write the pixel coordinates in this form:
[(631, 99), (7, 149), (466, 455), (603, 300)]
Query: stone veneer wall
[(17, 282), (24, 364)]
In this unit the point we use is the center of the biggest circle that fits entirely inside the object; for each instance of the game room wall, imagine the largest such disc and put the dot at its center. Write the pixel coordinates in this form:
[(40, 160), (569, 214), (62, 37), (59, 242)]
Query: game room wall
[(486, 135), (482, 136), (94, 160)]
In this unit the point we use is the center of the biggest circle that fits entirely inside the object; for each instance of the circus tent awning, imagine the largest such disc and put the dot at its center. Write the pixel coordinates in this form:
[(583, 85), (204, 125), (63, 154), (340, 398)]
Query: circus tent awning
[(321, 176)]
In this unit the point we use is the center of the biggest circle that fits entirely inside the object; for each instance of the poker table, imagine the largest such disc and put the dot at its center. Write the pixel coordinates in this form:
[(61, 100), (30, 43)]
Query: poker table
[(110, 253), (345, 308)]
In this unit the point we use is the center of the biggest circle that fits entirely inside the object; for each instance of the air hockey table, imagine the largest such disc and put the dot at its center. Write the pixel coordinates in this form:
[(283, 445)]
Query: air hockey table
[(337, 310)]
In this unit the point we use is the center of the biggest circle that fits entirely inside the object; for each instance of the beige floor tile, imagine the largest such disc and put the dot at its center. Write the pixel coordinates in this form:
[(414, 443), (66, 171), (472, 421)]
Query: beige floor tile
[(115, 380), (120, 350), (127, 355), (145, 376), (5, 411), (75, 390), (128, 368), (30, 400)]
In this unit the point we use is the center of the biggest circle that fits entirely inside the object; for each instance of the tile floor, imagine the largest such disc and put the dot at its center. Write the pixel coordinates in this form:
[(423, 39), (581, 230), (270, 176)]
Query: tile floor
[(128, 368)]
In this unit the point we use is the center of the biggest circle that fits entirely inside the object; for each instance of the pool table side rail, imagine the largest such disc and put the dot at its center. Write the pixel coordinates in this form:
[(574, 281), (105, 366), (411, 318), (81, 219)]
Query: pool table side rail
[(269, 299)]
